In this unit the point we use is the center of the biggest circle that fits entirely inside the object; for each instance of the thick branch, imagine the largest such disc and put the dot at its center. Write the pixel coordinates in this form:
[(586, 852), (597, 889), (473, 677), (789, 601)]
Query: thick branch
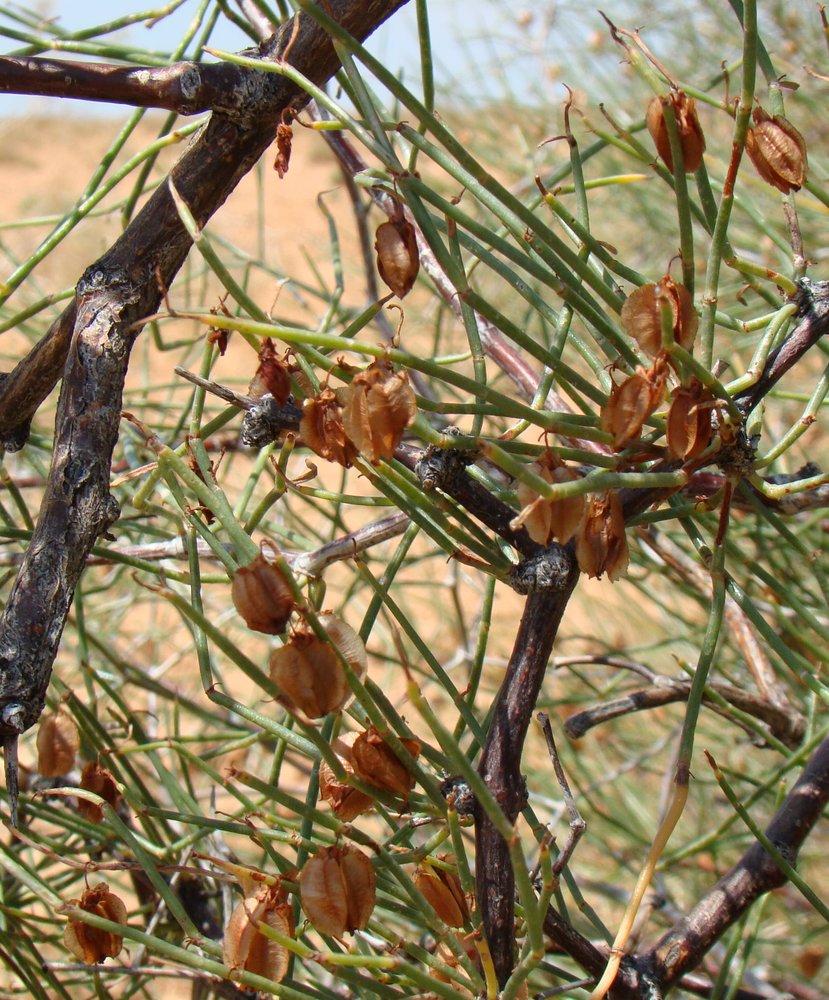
[(113, 296), (684, 946)]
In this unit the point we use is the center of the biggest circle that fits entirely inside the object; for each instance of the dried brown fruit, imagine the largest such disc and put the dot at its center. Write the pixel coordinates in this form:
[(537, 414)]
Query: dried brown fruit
[(546, 520), (691, 138), (689, 427), (397, 258), (642, 317), (346, 801), (245, 947), (92, 944), (58, 743), (377, 408), (99, 780), (310, 674), (601, 546), (323, 431), (284, 138), (442, 889), (632, 401), (376, 763), (338, 890), (777, 150), (262, 596), (271, 375)]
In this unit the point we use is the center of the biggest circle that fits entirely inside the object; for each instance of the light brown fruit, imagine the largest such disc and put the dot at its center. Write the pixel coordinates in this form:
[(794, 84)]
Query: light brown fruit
[(99, 780), (397, 258), (323, 431), (642, 319), (92, 944), (691, 138), (377, 408), (632, 401), (262, 596), (546, 520), (442, 889), (601, 546), (58, 743), (376, 763), (338, 890), (777, 150), (347, 802), (246, 948), (689, 428)]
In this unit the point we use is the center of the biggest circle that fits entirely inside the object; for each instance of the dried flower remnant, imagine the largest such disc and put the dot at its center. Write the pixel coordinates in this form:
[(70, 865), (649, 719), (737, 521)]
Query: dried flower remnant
[(309, 672), (442, 889), (397, 258), (99, 780), (377, 408), (601, 546), (632, 401), (338, 890), (777, 150), (689, 426), (347, 802), (284, 138), (89, 944), (323, 431), (271, 375), (691, 138), (377, 764), (246, 948), (546, 520), (262, 596), (642, 315), (58, 743)]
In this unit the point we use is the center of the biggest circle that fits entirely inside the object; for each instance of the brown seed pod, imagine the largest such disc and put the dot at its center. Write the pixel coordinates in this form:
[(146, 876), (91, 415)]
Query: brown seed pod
[(442, 889), (691, 139), (347, 802), (322, 429), (642, 319), (58, 743), (632, 401), (284, 138), (376, 763), (92, 945), (99, 780), (338, 890), (689, 429), (309, 673), (777, 150), (271, 375), (601, 546), (397, 258), (262, 596), (245, 947), (546, 520), (377, 408)]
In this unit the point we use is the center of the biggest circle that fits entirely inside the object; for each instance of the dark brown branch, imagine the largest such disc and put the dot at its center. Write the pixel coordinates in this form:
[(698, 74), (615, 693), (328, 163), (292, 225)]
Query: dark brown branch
[(188, 88), (500, 764), (684, 946), (112, 298), (785, 724)]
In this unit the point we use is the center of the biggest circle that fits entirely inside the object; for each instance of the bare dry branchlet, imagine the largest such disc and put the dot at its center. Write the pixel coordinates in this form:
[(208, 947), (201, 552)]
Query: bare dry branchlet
[(58, 743), (309, 672), (262, 596), (338, 890), (347, 802), (642, 319), (777, 150), (548, 520), (377, 764), (99, 780), (632, 401), (245, 947), (92, 945), (378, 406), (601, 545), (691, 138), (397, 257)]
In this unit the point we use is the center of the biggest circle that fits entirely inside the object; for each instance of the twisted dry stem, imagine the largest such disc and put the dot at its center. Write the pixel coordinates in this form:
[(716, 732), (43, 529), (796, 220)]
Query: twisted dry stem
[(112, 298)]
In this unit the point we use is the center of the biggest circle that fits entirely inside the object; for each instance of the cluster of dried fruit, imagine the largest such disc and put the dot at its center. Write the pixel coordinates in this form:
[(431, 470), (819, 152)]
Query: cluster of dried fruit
[(773, 144), (367, 417)]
